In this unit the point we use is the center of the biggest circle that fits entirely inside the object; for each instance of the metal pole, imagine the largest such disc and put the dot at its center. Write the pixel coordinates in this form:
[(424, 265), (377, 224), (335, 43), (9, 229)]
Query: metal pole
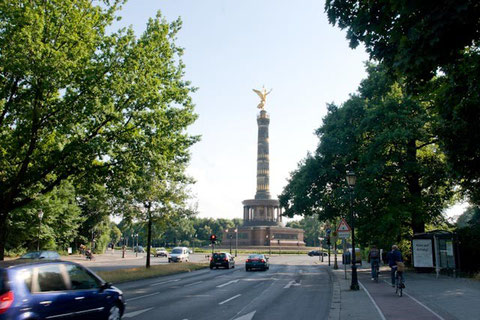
[(230, 236), (236, 241), (38, 237), (329, 255), (335, 264), (354, 285)]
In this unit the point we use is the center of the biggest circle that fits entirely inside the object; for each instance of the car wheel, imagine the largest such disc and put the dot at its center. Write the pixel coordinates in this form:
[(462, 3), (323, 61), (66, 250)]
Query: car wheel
[(246, 269), (114, 313), (233, 266), (211, 268)]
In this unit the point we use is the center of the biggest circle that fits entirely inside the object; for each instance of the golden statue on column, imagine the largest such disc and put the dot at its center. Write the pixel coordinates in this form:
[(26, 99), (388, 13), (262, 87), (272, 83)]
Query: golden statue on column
[(263, 95)]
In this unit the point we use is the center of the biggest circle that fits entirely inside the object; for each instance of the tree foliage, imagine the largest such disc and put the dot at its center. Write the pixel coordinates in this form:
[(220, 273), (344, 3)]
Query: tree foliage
[(415, 40), (411, 37), (385, 135), (76, 102)]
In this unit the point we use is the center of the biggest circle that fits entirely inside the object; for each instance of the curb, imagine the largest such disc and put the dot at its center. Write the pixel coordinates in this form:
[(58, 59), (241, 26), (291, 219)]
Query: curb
[(335, 305)]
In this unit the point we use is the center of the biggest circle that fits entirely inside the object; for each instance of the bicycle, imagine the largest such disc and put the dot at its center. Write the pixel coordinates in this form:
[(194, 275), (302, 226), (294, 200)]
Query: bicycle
[(399, 283)]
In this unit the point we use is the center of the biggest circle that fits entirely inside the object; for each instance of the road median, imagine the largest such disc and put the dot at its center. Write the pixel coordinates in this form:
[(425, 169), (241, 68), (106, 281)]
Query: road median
[(139, 273)]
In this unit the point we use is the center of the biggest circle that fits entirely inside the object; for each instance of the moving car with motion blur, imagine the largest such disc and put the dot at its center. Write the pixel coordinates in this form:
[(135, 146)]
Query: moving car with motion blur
[(57, 290), (257, 261), (40, 255), (222, 259)]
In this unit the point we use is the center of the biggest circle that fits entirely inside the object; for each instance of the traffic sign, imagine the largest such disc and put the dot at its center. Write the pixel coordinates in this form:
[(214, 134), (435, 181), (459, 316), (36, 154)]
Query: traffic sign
[(344, 235), (343, 226)]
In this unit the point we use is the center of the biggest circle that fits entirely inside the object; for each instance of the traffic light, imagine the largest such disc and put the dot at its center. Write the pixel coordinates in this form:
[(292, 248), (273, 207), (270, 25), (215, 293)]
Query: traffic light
[(213, 238)]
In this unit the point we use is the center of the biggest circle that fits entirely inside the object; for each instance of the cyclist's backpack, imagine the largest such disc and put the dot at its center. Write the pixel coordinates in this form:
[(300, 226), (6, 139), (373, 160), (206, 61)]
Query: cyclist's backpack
[(374, 254)]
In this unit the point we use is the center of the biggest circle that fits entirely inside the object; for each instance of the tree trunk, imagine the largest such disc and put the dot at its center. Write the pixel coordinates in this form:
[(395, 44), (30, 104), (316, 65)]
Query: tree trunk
[(3, 232), (413, 181), (149, 235)]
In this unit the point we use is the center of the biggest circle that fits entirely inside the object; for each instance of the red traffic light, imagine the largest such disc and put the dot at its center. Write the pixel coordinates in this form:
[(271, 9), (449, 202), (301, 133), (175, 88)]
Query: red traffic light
[(213, 238)]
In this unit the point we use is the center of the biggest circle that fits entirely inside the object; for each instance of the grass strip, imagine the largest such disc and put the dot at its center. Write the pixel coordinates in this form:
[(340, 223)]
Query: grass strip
[(124, 275)]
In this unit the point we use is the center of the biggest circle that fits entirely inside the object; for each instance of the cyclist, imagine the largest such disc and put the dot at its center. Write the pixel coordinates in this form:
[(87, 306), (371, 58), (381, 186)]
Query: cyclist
[(393, 257), (374, 260)]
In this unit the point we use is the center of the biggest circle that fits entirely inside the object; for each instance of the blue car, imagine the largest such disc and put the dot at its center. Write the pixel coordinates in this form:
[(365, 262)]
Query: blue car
[(57, 290)]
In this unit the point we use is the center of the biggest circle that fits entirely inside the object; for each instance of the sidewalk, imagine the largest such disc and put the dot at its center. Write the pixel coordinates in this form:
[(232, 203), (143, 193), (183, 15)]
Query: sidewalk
[(425, 297)]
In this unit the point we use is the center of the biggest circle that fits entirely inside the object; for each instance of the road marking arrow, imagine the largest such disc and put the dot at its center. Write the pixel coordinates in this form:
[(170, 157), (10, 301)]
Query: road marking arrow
[(136, 313), (248, 316), (226, 284)]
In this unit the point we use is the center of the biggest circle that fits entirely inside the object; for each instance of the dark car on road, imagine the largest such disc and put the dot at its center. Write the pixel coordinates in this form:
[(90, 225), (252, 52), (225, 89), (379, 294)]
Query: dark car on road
[(257, 261), (57, 290), (139, 249), (222, 259), (317, 253), (41, 255)]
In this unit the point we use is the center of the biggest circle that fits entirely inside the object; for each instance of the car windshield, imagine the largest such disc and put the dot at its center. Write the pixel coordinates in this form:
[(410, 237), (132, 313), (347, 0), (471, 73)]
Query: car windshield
[(177, 251), (219, 255), (255, 256), (31, 255)]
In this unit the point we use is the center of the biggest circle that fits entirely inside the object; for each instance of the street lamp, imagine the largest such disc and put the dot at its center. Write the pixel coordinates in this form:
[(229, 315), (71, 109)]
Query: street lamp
[(351, 180), (269, 245), (40, 216), (236, 241), (136, 253), (321, 248)]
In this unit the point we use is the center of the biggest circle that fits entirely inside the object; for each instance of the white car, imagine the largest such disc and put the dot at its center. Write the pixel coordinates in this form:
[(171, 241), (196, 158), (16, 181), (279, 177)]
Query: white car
[(161, 252), (179, 254)]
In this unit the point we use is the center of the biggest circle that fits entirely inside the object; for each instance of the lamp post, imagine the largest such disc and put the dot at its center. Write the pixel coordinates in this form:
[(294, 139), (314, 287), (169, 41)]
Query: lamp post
[(136, 253), (351, 180), (321, 248), (123, 247), (236, 241), (40, 216), (269, 245)]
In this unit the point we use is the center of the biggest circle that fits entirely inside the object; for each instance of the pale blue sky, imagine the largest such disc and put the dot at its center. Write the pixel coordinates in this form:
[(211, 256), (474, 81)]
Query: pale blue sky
[(234, 46)]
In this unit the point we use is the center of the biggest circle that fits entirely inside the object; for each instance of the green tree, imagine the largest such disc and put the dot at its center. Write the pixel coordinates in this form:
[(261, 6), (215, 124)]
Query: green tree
[(411, 37), (415, 40), (384, 135), (74, 100), (59, 226)]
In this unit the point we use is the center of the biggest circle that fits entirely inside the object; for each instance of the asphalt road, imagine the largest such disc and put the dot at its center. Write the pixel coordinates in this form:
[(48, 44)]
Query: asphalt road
[(294, 288)]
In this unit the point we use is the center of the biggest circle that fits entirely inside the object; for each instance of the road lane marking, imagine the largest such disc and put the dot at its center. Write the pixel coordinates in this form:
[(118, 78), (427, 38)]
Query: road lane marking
[(144, 296), (433, 312), (436, 314), (229, 299), (163, 282), (373, 301), (248, 316), (227, 283), (192, 284), (136, 313), (292, 283)]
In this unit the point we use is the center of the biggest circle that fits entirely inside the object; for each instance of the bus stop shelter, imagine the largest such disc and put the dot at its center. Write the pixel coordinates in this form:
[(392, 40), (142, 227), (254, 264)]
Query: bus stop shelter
[(434, 250)]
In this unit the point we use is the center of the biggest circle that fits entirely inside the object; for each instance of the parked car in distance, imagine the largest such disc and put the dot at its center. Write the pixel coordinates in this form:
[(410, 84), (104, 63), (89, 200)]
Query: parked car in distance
[(222, 259), (257, 261), (179, 254), (41, 255), (161, 252), (57, 290), (317, 253), (138, 249)]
